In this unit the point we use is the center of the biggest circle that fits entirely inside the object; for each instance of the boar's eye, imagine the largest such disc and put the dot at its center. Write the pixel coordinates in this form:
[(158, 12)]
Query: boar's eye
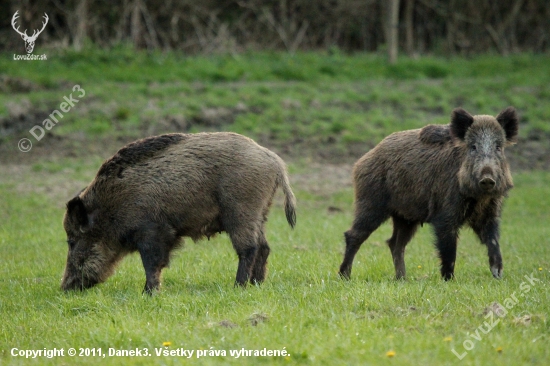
[(71, 243), (499, 148), (473, 147)]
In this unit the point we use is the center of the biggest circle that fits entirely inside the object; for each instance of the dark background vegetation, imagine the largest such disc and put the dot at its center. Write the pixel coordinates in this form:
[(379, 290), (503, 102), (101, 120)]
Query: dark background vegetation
[(217, 26), (313, 79), (319, 82)]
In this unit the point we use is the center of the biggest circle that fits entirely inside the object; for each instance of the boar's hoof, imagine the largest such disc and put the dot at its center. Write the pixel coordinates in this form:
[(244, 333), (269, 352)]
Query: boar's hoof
[(150, 290), (345, 275), (497, 272)]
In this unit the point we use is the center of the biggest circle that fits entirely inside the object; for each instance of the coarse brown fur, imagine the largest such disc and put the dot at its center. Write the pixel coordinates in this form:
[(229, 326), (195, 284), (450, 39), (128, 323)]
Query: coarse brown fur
[(154, 191), (443, 175)]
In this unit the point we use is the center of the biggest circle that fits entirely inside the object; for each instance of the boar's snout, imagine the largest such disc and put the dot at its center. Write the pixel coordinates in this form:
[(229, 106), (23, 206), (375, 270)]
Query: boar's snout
[(72, 285), (74, 279), (487, 183)]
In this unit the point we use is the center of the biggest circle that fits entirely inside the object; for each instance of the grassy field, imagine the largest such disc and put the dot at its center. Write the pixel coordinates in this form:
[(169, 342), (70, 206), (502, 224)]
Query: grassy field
[(321, 112), (295, 104)]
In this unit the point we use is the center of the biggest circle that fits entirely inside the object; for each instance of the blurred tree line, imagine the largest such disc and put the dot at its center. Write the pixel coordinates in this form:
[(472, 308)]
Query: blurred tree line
[(232, 26)]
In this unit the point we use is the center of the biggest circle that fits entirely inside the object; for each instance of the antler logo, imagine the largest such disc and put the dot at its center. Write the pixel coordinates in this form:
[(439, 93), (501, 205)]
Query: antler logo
[(29, 41)]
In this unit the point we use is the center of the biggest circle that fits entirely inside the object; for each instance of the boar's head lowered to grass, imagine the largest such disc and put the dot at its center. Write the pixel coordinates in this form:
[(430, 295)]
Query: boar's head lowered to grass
[(154, 191)]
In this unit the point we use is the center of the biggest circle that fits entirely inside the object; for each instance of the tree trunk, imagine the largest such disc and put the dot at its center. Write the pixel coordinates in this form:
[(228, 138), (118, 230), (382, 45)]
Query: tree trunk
[(81, 24), (451, 28), (136, 24), (393, 31), (409, 27)]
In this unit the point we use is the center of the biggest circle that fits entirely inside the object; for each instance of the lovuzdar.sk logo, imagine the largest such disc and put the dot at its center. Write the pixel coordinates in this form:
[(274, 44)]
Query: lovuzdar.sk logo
[(29, 40)]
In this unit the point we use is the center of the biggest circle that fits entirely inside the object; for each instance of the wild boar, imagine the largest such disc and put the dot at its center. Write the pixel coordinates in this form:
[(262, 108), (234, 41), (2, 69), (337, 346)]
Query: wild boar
[(445, 175), (156, 190)]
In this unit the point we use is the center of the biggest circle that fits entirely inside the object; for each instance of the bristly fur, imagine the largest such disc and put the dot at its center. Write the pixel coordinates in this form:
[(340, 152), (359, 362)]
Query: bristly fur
[(156, 190), (138, 152), (435, 134), (447, 176)]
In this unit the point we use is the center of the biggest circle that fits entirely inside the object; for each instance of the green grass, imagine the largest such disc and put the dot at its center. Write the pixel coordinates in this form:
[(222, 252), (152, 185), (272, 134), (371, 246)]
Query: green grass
[(306, 105), (306, 98), (124, 64), (303, 307)]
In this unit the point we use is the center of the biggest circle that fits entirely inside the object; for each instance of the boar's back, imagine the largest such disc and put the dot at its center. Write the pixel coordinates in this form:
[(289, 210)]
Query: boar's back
[(138, 152)]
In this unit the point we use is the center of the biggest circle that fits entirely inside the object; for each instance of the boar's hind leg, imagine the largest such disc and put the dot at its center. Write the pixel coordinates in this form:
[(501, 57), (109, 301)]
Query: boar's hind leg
[(446, 239), (366, 221), (244, 242), (154, 245), (260, 262), (403, 231)]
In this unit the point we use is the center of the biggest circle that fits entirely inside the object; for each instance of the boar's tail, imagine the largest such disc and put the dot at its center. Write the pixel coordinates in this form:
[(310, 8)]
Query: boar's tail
[(290, 200)]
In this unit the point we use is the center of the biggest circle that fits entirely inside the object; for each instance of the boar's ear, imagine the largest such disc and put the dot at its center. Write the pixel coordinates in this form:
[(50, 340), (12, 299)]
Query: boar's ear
[(77, 211), (509, 121), (460, 122)]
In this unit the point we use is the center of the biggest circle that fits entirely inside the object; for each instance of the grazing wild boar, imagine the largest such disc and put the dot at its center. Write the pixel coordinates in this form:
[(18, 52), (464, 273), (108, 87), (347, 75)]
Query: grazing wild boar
[(444, 175), (156, 190)]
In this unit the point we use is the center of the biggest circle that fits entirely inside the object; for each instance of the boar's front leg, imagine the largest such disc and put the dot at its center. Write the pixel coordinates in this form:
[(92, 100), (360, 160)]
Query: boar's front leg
[(154, 243), (446, 239), (488, 233)]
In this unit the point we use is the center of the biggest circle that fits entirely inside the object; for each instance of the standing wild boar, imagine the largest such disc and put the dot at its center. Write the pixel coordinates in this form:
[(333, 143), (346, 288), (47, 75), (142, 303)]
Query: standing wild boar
[(443, 175), (156, 190)]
